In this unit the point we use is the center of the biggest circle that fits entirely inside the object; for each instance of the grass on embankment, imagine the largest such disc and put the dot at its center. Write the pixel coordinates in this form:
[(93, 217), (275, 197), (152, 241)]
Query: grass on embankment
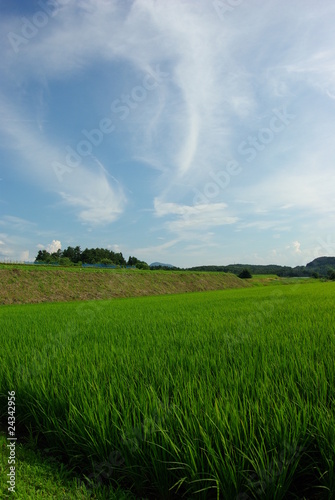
[(37, 477), (40, 476), (23, 285)]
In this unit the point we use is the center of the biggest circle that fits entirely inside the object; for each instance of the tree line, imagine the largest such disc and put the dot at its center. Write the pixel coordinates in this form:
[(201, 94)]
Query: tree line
[(318, 268), (75, 256)]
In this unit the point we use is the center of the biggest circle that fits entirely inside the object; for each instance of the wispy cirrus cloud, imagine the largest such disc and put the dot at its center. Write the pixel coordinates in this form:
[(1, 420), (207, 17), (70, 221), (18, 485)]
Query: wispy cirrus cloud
[(212, 72), (224, 76), (13, 247), (181, 36), (17, 223), (88, 189), (194, 218)]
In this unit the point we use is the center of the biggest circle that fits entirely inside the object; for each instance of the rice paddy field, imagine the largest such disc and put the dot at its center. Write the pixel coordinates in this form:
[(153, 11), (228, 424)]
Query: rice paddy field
[(212, 395)]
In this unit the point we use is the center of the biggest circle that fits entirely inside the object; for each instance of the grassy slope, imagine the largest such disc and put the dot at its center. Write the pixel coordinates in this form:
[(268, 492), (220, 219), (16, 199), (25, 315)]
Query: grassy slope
[(22, 285), (36, 477), (40, 476)]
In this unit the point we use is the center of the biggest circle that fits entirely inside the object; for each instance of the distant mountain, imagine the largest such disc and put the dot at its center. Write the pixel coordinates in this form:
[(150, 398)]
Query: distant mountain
[(160, 264), (322, 261), (322, 266)]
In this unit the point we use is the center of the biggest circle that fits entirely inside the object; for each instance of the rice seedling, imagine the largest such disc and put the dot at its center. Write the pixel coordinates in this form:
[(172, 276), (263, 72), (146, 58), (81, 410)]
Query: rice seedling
[(211, 395)]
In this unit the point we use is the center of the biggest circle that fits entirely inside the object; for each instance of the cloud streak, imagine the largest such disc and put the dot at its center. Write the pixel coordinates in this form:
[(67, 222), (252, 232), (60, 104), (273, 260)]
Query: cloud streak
[(195, 218), (226, 76), (95, 196)]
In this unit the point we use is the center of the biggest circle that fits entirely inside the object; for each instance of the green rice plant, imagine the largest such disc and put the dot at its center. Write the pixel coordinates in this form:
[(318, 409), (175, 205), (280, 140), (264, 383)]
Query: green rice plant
[(211, 395)]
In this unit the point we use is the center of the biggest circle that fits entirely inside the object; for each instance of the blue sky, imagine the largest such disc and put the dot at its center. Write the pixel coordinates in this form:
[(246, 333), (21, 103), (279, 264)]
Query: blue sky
[(183, 131)]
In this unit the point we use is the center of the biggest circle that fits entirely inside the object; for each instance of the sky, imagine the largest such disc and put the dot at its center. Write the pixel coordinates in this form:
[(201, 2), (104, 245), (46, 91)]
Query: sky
[(189, 132)]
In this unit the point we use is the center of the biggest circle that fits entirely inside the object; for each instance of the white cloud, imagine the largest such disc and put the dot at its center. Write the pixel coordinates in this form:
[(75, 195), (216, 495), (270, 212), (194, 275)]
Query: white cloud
[(116, 248), (212, 70), (204, 92), (97, 197), (54, 246), (264, 225), (195, 218), (99, 205), (17, 223), (24, 256), (13, 248), (296, 246), (223, 79), (298, 189)]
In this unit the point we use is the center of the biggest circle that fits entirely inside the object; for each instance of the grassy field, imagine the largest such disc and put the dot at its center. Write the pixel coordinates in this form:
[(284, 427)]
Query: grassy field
[(22, 284), (38, 476), (224, 394)]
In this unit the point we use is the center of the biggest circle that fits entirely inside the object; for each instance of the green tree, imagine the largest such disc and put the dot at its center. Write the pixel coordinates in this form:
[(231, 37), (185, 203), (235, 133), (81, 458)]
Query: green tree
[(43, 256), (65, 261), (132, 261), (119, 259), (55, 256), (331, 275), (142, 265), (245, 274), (74, 254), (77, 254)]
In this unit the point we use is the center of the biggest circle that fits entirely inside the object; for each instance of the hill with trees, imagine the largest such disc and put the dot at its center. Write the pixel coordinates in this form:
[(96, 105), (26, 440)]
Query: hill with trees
[(74, 256), (322, 267), (160, 265), (282, 271), (103, 257)]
